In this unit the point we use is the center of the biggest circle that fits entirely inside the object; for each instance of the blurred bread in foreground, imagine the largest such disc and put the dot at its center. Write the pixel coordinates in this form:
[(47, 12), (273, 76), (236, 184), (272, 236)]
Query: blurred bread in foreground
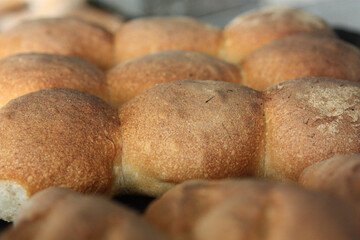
[(63, 36), (298, 56), (62, 214), (25, 73), (128, 79), (254, 29), (148, 35), (248, 209), (339, 176), (56, 137)]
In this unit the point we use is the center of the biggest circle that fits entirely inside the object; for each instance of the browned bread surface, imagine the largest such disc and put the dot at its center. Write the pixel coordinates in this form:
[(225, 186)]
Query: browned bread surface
[(339, 176), (298, 56), (249, 209), (309, 120), (147, 35), (189, 130), (57, 137), (64, 36), (132, 77), (61, 214), (25, 73), (254, 29)]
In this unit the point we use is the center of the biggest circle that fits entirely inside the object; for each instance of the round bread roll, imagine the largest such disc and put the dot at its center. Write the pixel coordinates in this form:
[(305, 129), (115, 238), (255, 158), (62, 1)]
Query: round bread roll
[(64, 36), (309, 120), (301, 55), (254, 29), (147, 35), (248, 209), (61, 214), (126, 81), (56, 137), (339, 176), (190, 130), (25, 73)]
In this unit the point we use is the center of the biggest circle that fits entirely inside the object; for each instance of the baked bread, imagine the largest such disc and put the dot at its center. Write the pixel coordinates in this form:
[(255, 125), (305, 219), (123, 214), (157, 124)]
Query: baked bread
[(301, 55), (309, 120), (64, 36), (25, 73), (250, 209), (126, 81), (254, 29), (56, 137), (339, 176), (190, 129), (61, 214), (148, 35)]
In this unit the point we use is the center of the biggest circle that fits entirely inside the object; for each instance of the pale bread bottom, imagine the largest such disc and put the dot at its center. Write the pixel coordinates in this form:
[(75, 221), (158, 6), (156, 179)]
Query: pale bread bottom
[(12, 197)]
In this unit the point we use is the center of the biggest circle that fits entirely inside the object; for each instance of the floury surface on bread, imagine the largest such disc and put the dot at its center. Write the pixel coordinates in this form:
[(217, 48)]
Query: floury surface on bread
[(25, 73), (250, 209), (125, 81), (61, 214), (56, 137)]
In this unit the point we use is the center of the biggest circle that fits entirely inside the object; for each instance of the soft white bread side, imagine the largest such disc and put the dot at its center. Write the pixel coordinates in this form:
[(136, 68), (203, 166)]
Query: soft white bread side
[(61, 214), (56, 137)]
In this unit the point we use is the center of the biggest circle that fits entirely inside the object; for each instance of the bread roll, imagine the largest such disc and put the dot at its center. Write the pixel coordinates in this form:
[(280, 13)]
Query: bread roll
[(25, 73), (126, 81), (147, 35), (56, 137), (189, 130), (61, 214), (254, 29), (249, 209), (339, 176), (302, 55), (64, 36), (309, 120)]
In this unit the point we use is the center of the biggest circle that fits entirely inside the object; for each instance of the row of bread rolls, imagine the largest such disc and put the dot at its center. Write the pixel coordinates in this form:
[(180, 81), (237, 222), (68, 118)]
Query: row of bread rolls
[(229, 210), (282, 44), (173, 132), (24, 73)]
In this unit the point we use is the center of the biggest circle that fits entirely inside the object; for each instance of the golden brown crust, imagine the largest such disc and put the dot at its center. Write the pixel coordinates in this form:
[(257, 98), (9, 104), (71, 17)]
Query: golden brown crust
[(64, 36), (147, 35), (249, 209), (338, 176), (301, 55), (309, 120), (190, 130), (126, 80), (254, 29), (25, 73), (59, 137), (62, 214)]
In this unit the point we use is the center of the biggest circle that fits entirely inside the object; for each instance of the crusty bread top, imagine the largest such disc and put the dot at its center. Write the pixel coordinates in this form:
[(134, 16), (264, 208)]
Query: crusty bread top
[(249, 209), (65, 36), (338, 176), (301, 55), (24, 73), (191, 129), (58, 213), (59, 137), (147, 35), (126, 80), (309, 120), (252, 30)]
